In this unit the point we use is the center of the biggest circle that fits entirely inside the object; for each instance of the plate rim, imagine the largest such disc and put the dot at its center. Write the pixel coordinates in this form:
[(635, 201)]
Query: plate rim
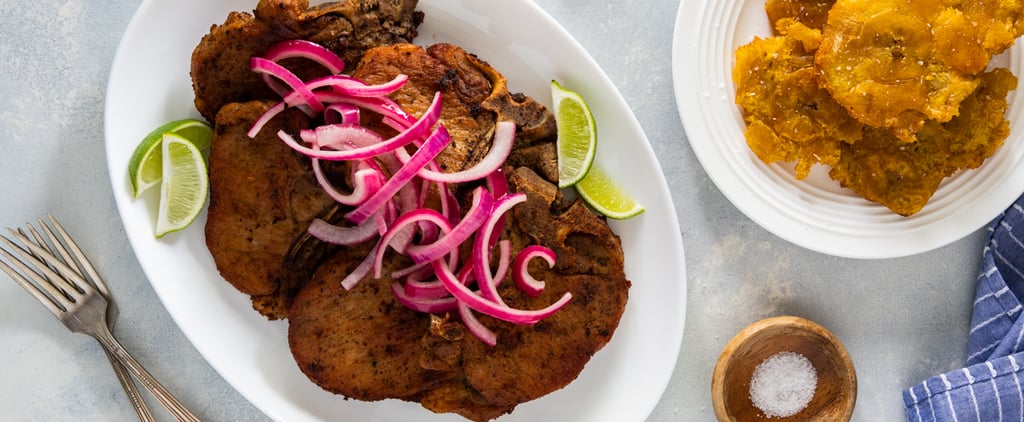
[(167, 296)]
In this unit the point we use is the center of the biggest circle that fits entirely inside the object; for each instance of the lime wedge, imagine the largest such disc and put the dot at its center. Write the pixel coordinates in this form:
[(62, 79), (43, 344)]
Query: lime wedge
[(184, 184), (604, 196), (144, 168), (577, 135)]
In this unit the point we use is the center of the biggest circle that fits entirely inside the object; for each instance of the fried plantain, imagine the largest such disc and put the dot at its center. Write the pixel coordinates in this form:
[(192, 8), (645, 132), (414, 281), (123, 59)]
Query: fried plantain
[(890, 95), (903, 176), (878, 61), (969, 33), (789, 117), (812, 13), (895, 64)]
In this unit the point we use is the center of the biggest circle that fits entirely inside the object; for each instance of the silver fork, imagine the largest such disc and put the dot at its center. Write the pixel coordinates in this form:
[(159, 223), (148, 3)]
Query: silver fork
[(76, 303), (85, 270)]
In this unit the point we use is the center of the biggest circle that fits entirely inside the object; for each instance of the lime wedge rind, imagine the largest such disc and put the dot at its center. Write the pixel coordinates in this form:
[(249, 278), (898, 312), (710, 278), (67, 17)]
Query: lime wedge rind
[(577, 135), (184, 184), (150, 174), (603, 195), (144, 166)]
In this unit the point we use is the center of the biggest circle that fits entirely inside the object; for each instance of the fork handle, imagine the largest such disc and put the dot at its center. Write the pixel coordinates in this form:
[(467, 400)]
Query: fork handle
[(175, 407), (130, 389)]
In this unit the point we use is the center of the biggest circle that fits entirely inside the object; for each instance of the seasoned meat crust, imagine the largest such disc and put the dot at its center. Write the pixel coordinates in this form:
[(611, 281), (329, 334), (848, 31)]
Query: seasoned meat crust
[(258, 261), (262, 196), (364, 345), (475, 97), (220, 63), (470, 128), (359, 342), (258, 264), (531, 361)]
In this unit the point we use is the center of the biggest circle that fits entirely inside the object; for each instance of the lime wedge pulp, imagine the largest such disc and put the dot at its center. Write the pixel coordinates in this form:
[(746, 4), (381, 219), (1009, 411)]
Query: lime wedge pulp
[(144, 167), (605, 197), (577, 135), (184, 184)]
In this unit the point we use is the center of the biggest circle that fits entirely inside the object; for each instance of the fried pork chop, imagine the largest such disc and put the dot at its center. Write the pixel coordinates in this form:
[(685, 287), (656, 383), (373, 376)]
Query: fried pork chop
[(362, 343), (365, 345), (220, 63), (255, 239), (261, 263), (475, 97), (262, 197), (529, 362)]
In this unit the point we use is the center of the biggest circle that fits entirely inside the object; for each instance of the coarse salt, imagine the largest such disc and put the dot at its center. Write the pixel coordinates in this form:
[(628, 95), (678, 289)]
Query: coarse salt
[(783, 384)]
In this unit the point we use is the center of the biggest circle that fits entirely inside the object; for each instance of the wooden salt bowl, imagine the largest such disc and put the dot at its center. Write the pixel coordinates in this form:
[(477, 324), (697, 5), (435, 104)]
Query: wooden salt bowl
[(836, 391)]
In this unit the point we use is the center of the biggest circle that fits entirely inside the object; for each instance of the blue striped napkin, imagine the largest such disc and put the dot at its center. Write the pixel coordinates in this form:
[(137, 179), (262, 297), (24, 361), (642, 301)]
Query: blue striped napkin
[(989, 388)]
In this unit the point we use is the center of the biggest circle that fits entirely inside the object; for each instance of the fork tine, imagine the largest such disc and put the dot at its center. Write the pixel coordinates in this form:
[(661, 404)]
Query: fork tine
[(31, 289), (56, 301), (55, 283), (52, 246), (63, 257), (36, 269), (46, 259), (42, 243), (65, 287), (52, 283), (82, 260), (79, 263), (37, 237)]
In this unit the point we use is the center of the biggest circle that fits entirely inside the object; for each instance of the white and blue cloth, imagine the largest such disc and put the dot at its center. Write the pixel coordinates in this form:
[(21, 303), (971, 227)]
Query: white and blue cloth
[(990, 387)]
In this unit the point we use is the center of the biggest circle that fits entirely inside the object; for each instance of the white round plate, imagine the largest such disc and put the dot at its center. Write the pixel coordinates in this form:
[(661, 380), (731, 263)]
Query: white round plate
[(817, 213), (149, 85)]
